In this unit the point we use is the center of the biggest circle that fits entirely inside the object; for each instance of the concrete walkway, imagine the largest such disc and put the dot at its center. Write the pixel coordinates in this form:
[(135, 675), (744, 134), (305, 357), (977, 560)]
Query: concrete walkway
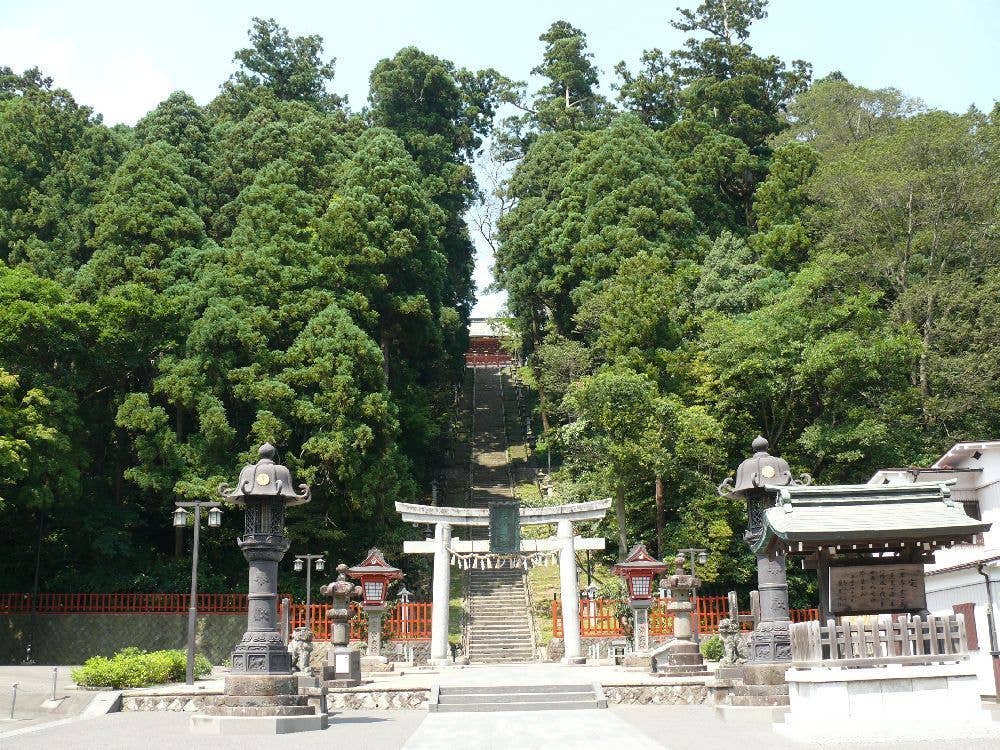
[(616, 728), (528, 730)]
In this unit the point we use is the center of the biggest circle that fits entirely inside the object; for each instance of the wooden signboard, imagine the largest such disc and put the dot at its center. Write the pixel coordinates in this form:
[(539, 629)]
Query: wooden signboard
[(505, 528), (870, 589)]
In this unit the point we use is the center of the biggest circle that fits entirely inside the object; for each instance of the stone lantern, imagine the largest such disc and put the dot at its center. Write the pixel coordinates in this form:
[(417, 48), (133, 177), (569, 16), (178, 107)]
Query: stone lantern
[(638, 571), (261, 693), (757, 480), (376, 575), (681, 655), (343, 664)]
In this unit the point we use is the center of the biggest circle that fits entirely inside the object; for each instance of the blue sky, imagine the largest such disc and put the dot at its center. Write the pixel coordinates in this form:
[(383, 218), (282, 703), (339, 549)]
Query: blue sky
[(124, 57)]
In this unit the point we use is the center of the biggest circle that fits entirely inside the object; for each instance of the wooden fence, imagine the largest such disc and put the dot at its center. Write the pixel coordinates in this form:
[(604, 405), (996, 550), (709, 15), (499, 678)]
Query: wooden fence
[(603, 617), (876, 641)]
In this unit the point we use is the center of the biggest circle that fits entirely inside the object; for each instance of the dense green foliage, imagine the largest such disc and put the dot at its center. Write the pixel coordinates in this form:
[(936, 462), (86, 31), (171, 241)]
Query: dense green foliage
[(728, 248), (269, 267), (132, 667), (738, 250)]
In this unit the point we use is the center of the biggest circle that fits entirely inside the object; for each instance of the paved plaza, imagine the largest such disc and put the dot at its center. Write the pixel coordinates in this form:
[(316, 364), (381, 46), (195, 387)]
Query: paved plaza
[(672, 727)]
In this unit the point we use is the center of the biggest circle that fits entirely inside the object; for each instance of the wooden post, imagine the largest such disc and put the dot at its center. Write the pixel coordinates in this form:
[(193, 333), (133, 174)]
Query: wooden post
[(823, 581)]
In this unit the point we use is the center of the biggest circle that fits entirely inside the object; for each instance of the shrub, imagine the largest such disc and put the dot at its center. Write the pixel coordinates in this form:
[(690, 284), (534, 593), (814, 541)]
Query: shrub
[(133, 667), (711, 648)]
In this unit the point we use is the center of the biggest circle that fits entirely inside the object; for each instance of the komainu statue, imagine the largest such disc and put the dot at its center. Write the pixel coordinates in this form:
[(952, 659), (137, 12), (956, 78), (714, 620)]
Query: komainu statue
[(301, 649), (734, 648)]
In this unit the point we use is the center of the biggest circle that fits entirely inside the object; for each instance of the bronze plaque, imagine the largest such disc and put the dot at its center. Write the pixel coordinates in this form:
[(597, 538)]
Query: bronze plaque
[(870, 589), (505, 528)]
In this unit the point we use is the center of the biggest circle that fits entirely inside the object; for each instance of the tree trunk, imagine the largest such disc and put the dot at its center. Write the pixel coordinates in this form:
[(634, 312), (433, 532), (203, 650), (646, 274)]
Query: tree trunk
[(542, 404), (925, 388), (620, 516), (384, 345), (659, 517)]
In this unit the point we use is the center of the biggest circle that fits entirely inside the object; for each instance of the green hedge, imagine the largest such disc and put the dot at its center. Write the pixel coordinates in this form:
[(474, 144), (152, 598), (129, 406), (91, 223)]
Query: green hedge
[(711, 648), (132, 667)]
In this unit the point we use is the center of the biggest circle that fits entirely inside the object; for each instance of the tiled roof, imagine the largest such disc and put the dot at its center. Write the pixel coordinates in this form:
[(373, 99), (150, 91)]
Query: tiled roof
[(864, 514)]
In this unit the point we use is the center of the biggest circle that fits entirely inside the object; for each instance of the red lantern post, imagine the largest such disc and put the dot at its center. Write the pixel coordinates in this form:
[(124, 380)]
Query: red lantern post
[(376, 575), (638, 571)]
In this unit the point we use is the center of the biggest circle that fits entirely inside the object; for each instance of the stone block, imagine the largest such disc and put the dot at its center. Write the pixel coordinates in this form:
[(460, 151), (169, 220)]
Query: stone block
[(249, 725), (247, 684), (764, 674)]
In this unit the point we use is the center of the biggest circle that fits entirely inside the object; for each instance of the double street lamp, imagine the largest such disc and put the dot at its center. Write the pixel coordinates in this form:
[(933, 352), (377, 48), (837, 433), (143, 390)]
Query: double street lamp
[(180, 521), (306, 562)]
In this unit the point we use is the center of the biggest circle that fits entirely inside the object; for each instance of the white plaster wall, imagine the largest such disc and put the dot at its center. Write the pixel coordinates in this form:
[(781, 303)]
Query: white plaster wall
[(960, 587)]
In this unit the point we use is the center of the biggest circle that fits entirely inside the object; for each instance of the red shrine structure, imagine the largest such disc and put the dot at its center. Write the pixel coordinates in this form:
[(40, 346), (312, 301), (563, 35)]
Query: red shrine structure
[(484, 344)]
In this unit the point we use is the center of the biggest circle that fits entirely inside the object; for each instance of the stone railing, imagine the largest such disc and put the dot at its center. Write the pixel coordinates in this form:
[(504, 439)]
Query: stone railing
[(913, 640)]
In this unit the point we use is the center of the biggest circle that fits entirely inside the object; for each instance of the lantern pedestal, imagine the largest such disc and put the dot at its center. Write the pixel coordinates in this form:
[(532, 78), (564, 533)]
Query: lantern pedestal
[(640, 659), (373, 661), (681, 656), (343, 664), (261, 693)]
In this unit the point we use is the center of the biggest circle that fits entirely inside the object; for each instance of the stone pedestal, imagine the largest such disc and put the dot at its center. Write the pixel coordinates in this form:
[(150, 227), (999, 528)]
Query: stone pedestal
[(343, 664), (891, 703), (342, 668), (260, 704), (679, 658)]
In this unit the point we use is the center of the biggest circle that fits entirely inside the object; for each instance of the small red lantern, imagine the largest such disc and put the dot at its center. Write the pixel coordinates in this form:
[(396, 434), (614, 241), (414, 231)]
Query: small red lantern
[(638, 571), (375, 575)]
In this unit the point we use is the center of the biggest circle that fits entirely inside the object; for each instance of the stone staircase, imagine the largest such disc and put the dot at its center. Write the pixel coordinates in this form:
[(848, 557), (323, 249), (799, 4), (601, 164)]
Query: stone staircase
[(499, 628), (517, 698), (499, 625)]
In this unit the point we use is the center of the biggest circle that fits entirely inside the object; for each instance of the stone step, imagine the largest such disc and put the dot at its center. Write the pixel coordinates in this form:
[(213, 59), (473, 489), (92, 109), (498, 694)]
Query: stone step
[(517, 698), (499, 629), (255, 701), (259, 710), (771, 690), (513, 689), (476, 698), (758, 700)]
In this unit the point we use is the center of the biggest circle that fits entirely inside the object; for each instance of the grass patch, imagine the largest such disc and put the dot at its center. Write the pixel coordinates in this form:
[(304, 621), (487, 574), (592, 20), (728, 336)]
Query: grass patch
[(456, 607)]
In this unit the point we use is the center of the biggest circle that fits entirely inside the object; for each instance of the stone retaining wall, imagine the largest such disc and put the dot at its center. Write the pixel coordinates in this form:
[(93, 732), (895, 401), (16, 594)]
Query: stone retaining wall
[(337, 700), (74, 638), (659, 695)]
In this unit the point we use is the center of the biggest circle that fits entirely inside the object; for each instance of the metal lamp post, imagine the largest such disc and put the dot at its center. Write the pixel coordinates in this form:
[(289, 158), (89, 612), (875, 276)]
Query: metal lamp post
[(180, 521), (306, 562), (702, 557)]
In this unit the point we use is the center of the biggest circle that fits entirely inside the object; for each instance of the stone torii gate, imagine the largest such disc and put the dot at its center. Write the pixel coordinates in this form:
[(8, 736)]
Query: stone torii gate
[(444, 547)]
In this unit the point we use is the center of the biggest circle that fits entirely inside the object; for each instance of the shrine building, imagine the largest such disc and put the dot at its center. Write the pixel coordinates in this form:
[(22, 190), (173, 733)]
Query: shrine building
[(966, 577), (484, 344)]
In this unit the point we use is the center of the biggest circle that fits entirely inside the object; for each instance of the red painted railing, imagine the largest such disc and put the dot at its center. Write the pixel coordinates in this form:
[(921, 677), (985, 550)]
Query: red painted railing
[(602, 617), (45, 603), (488, 360), (402, 622)]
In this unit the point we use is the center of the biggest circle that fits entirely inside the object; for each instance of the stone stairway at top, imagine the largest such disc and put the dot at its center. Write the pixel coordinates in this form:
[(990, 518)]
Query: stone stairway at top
[(499, 625)]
